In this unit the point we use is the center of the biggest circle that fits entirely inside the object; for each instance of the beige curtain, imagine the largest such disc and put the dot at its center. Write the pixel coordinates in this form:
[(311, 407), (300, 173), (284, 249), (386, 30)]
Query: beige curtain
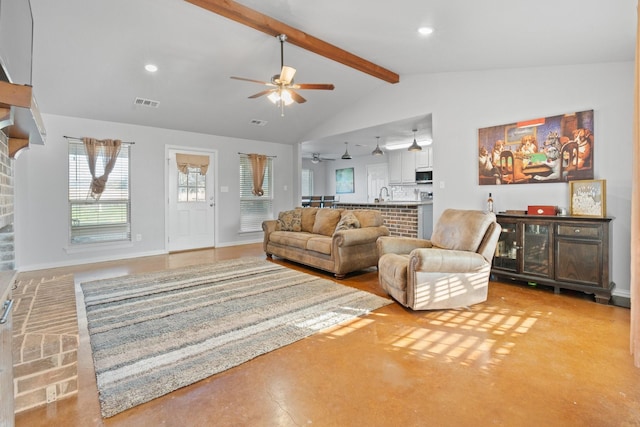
[(108, 149), (635, 214), (186, 161), (258, 165)]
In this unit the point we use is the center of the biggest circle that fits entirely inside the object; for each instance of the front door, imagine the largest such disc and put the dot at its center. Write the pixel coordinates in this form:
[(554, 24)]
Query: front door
[(191, 203)]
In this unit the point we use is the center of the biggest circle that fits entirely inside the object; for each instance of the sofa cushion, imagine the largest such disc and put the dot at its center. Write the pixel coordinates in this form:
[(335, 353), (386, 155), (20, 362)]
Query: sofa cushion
[(326, 221), (320, 244), (290, 220), (369, 217), (288, 238), (347, 220), (308, 219)]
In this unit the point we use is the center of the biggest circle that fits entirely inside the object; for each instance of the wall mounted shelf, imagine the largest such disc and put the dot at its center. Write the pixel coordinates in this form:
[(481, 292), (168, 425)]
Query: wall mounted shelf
[(20, 117)]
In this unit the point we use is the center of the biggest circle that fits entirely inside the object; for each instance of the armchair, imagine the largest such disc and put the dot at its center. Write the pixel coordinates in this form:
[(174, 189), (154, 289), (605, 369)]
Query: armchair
[(448, 271)]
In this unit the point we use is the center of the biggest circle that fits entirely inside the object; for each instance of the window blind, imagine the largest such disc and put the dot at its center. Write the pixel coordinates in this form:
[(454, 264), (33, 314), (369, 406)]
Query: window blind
[(107, 219), (254, 209), (307, 182)]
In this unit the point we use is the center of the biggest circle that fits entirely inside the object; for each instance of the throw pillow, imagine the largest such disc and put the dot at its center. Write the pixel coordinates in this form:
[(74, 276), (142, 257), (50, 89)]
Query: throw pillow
[(290, 220), (308, 219), (326, 221), (347, 221)]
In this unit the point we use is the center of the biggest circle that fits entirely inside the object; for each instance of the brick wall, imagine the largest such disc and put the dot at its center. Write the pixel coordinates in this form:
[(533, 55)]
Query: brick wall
[(7, 252), (401, 220)]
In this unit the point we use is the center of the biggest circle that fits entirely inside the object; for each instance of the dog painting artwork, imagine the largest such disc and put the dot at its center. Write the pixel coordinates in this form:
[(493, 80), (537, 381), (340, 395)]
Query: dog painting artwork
[(549, 149)]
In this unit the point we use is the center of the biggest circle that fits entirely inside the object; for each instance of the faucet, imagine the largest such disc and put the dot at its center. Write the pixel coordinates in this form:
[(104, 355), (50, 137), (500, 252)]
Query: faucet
[(380, 195)]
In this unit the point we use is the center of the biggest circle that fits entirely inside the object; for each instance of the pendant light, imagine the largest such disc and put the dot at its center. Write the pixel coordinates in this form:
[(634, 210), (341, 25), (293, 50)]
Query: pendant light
[(377, 151), (415, 146), (346, 155)]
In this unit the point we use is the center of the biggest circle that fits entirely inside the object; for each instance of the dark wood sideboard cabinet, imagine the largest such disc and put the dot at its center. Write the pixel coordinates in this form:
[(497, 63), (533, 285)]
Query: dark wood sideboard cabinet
[(566, 252)]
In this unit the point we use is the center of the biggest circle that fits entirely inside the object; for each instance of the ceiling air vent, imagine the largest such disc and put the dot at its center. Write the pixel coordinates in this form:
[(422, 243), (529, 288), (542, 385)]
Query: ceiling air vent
[(258, 122), (146, 102)]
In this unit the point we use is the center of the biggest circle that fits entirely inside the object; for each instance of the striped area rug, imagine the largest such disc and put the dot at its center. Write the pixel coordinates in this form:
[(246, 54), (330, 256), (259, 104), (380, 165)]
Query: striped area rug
[(154, 333)]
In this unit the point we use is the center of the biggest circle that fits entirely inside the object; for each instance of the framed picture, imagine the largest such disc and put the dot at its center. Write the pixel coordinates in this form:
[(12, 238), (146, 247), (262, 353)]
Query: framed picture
[(538, 150), (344, 181), (588, 198)]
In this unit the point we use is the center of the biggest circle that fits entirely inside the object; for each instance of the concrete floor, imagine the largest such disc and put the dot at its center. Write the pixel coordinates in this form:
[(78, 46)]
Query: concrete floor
[(525, 357)]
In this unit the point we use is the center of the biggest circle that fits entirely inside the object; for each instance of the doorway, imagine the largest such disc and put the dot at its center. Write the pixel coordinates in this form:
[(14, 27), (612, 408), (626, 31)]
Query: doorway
[(190, 215), (377, 177)]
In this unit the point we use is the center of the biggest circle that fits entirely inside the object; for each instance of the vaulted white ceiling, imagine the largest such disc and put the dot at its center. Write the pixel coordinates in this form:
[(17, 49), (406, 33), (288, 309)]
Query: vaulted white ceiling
[(89, 56)]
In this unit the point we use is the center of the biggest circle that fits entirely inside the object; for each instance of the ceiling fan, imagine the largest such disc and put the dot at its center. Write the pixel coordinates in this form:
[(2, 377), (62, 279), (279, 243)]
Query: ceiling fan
[(316, 158), (282, 88)]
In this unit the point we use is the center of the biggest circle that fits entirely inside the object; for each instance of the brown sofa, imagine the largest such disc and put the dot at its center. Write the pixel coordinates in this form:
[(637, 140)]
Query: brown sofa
[(336, 240)]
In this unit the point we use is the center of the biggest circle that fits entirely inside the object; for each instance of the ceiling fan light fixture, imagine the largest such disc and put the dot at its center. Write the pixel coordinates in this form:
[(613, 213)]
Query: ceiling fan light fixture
[(377, 151), (281, 95), (415, 146), (285, 96), (346, 155)]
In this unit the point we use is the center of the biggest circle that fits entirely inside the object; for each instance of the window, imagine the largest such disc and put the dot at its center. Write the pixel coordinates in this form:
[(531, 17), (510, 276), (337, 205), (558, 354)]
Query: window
[(192, 186), (254, 209), (107, 219), (307, 182)]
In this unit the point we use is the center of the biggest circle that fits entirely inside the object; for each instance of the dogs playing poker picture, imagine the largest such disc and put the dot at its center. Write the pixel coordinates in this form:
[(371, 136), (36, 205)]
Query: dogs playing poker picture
[(550, 149)]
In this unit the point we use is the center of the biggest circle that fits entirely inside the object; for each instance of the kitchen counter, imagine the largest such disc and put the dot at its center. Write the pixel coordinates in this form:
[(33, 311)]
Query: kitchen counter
[(388, 203)]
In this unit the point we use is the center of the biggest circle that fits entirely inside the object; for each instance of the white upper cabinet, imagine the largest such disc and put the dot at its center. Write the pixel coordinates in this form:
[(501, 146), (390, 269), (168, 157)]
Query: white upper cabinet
[(408, 167), (424, 158), (395, 167), (402, 167)]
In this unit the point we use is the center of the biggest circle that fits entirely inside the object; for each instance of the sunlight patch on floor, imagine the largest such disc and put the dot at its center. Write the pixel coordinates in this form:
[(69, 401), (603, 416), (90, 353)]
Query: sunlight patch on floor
[(480, 338)]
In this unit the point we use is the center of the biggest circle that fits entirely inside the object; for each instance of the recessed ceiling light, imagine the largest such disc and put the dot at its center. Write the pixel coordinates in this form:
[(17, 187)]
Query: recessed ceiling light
[(425, 30), (151, 68)]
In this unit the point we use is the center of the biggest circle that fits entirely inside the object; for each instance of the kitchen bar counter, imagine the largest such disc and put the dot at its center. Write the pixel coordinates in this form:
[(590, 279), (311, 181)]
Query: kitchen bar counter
[(409, 218), (387, 203)]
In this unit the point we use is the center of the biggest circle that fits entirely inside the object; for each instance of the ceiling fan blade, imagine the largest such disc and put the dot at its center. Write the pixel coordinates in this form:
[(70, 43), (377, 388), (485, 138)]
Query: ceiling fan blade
[(252, 80), (320, 86), (286, 75), (259, 94), (296, 97)]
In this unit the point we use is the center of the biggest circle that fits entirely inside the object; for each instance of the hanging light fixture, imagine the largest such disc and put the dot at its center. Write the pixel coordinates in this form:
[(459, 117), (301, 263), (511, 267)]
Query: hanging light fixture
[(282, 95), (346, 155), (377, 151), (415, 146)]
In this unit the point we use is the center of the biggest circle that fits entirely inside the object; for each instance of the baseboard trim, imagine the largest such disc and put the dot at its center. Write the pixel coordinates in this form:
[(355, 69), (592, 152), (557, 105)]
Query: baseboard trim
[(70, 263), (244, 242)]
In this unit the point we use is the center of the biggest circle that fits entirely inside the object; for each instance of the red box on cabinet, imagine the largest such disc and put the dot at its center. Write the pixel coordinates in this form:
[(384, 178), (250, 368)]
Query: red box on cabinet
[(541, 210)]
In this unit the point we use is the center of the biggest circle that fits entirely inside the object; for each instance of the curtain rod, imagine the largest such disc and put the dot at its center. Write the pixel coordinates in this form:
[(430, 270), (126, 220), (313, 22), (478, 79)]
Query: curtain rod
[(80, 139), (245, 154)]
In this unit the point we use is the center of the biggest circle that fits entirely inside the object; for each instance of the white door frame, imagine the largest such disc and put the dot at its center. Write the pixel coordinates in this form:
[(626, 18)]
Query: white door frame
[(213, 166)]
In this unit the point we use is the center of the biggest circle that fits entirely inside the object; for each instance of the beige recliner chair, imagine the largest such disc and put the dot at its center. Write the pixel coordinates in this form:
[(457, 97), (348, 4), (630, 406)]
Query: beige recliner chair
[(451, 270)]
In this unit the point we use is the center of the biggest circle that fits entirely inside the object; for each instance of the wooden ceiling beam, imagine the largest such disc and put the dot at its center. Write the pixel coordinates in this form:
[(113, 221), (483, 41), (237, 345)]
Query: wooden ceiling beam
[(254, 19)]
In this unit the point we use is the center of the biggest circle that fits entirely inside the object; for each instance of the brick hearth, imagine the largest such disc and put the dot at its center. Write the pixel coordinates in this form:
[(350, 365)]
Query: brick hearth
[(45, 340)]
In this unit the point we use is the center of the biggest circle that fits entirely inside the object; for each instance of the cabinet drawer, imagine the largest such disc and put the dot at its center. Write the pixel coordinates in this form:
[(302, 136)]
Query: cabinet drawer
[(580, 230)]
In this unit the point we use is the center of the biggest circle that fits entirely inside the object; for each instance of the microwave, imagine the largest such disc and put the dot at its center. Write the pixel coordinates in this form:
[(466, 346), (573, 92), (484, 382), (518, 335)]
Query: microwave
[(424, 176)]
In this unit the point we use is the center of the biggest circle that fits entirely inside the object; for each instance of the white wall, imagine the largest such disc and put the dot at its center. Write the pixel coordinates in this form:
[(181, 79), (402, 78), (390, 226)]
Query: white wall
[(319, 174), (41, 206), (461, 103)]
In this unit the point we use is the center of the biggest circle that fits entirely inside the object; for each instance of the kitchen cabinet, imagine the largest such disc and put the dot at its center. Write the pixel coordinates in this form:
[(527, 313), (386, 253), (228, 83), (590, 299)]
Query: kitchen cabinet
[(424, 158), (563, 252), (395, 167), (402, 167)]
